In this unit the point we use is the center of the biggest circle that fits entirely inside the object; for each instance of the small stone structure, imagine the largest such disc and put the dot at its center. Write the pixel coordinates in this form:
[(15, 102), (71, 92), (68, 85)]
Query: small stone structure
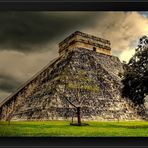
[(83, 40)]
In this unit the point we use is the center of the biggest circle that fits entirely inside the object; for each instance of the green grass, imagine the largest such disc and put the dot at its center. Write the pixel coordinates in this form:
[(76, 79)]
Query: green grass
[(63, 128)]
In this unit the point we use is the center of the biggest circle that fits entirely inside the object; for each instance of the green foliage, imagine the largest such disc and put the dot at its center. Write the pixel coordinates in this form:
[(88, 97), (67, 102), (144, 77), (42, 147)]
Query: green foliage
[(92, 88), (83, 87), (78, 81), (135, 79)]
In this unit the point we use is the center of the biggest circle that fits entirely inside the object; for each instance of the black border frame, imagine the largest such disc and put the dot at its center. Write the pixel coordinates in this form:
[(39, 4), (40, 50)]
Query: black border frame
[(73, 6), (68, 142), (69, 5)]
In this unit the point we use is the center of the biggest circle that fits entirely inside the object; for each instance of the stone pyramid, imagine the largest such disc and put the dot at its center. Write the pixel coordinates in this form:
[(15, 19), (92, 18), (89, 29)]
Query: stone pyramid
[(38, 100)]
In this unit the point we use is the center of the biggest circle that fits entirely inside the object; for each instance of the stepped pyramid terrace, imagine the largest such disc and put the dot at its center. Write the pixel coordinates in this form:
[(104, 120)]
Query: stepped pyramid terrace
[(90, 57)]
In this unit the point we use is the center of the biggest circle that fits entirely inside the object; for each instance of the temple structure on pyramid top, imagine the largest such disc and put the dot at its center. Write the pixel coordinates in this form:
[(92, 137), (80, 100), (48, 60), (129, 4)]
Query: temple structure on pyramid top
[(82, 40)]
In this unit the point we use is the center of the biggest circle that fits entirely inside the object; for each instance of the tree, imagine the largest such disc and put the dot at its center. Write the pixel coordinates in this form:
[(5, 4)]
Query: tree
[(76, 83), (135, 80)]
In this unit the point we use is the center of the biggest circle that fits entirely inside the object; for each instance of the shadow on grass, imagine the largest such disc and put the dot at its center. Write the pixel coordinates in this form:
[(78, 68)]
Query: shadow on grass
[(130, 127), (26, 125), (77, 124)]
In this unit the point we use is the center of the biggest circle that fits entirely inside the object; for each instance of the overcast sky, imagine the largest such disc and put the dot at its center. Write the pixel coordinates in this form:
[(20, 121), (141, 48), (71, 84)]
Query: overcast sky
[(29, 40)]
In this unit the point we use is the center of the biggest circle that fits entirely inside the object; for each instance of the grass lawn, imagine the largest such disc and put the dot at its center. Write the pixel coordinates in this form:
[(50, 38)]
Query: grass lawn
[(63, 128)]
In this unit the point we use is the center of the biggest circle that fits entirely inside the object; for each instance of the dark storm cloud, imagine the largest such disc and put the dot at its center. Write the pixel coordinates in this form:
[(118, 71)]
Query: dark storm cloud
[(8, 84), (25, 30)]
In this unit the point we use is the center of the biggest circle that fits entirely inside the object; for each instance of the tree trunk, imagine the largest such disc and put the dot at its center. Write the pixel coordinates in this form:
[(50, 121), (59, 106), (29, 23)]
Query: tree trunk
[(79, 115), (9, 119), (72, 117), (9, 122)]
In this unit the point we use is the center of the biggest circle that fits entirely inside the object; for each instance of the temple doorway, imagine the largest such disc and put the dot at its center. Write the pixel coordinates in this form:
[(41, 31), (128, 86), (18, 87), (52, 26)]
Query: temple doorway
[(94, 49)]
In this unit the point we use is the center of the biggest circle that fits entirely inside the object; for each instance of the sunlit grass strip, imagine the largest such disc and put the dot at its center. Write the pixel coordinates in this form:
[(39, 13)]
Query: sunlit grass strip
[(63, 128)]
